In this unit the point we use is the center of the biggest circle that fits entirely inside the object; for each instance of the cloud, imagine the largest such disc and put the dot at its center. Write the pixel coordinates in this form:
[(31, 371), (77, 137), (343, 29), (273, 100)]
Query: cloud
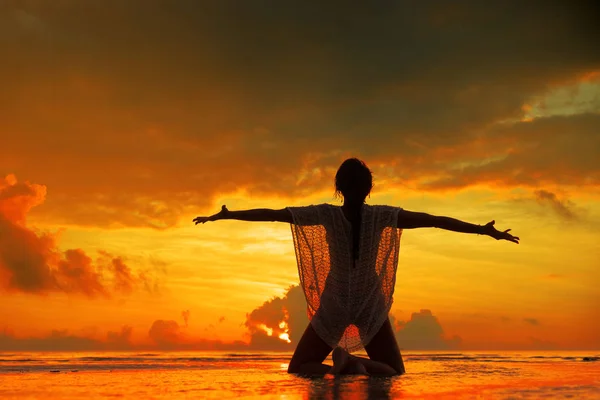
[(526, 155), (31, 261), (124, 280), (408, 84), (213, 325), (168, 335), (63, 340), (119, 340), (424, 332), (279, 322), (564, 208), (186, 316), (531, 321), (57, 340), (165, 333), (76, 273), (20, 24)]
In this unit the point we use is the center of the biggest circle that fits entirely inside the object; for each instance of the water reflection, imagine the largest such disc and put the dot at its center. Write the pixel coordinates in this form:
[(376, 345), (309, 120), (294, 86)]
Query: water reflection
[(351, 388)]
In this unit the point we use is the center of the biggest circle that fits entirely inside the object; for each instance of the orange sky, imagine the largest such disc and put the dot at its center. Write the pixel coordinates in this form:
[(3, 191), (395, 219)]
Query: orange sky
[(120, 123)]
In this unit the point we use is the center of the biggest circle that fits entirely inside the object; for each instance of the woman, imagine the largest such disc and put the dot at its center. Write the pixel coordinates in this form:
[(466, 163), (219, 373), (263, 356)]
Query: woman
[(347, 259)]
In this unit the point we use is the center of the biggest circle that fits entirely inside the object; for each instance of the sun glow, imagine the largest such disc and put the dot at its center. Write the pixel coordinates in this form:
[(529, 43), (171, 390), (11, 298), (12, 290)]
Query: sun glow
[(285, 336), (268, 331), (282, 333)]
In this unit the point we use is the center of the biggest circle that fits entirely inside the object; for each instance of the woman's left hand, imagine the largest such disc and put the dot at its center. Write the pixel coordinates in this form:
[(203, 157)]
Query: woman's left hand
[(488, 229)]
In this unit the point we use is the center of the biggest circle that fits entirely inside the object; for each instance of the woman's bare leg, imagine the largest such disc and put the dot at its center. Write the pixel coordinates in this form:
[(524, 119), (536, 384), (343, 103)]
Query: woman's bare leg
[(384, 354), (363, 366), (384, 348), (346, 364), (309, 354)]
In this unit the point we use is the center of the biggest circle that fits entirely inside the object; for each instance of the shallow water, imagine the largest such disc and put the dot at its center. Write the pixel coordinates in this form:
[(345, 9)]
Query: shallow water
[(467, 375)]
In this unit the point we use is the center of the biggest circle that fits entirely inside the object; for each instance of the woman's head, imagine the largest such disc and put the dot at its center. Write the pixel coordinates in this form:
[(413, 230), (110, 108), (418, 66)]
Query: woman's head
[(353, 180)]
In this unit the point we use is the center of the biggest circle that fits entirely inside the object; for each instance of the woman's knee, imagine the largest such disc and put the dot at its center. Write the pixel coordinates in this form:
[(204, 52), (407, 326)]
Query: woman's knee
[(293, 367), (310, 349)]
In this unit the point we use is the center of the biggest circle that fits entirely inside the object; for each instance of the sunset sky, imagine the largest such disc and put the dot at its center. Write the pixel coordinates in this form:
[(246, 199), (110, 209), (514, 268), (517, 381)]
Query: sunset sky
[(121, 121)]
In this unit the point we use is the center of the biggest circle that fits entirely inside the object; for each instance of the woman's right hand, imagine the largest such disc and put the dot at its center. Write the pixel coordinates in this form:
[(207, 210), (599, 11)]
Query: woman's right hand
[(220, 215)]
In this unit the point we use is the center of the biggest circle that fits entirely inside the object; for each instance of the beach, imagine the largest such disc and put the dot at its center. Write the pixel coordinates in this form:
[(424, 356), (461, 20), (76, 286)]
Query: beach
[(213, 375)]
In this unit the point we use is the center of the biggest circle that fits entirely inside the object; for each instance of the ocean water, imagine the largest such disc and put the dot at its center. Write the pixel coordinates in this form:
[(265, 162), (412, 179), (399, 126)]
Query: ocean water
[(206, 375)]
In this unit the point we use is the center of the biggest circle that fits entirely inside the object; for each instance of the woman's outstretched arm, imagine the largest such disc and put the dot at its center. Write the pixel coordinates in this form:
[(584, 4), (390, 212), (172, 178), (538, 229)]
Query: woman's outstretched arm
[(258, 214), (411, 220)]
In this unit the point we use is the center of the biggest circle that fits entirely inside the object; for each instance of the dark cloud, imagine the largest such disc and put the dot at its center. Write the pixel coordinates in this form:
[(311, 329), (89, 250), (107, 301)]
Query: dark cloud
[(120, 340), (564, 208), (63, 340), (57, 340), (248, 96), (424, 332), (186, 316), (166, 334), (75, 273), (31, 262), (124, 280), (212, 326), (531, 321), (279, 322), (525, 154)]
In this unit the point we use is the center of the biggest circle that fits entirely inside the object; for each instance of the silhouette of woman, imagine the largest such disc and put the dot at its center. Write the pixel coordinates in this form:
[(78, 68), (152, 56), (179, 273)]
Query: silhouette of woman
[(347, 259)]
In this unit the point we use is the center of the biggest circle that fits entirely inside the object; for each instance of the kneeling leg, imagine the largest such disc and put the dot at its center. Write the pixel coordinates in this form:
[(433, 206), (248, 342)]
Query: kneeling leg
[(384, 354), (309, 354)]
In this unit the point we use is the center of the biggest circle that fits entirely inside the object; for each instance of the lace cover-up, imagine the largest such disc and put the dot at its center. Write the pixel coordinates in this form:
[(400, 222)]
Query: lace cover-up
[(348, 300)]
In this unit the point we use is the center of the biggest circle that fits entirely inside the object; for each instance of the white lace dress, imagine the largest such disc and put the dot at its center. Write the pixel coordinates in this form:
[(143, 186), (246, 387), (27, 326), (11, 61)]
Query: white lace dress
[(348, 300)]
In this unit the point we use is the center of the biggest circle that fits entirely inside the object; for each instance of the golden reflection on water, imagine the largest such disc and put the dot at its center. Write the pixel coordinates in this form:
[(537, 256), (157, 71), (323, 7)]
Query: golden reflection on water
[(426, 379), (350, 388), (255, 384)]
